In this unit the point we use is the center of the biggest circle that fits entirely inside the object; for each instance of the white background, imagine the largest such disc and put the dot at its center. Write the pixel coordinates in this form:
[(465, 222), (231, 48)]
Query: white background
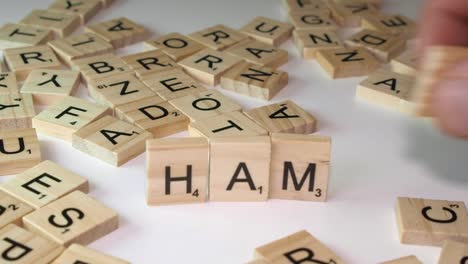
[(377, 156)]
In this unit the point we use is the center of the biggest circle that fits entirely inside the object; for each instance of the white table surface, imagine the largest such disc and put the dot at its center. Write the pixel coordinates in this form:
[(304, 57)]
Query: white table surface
[(377, 156)]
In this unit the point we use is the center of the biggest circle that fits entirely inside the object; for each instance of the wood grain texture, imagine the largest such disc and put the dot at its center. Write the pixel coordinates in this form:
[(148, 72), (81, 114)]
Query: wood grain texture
[(307, 19), (349, 13), (404, 260), (175, 45), (310, 41), (18, 36), (218, 37), (392, 24), (259, 53), (62, 24), (307, 5), (267, 30), (454, 252), (12, 210), (101, 66), (384, 46), (149, 62), (19, 150), (79, 254), (16, 111), (85, 10), (120, 32)]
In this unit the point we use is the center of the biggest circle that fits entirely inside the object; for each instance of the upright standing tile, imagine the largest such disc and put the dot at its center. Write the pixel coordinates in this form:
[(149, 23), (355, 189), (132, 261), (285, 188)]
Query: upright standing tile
[(65, 117), (18, 245), (259, 53), (77, 254), (347, 62), (454, 252), (207, 66), (50, 86), (101, 66), (310, 41), (62, 24), (267, 30), (12, 210), (296, 248), (120, 32), (85, 9), (312, 20), (255, 81), (111, 140), (16, 111), (393, 24), (22, 61), (177, 170), (240, 168), (8, 83), (218, 37), (175, 45), (149, 62), (406, 62), (431, 222), (75, 218), (284, 117), (44, 183), (205, 104), (350, 13), (404, 260), (18, 36), (312, 5), (19, 150), (384, 46)]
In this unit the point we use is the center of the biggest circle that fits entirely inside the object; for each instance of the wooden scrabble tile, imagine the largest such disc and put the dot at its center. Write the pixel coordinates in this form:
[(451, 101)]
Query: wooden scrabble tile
[(388, 89), (284, 117), (91, 220), (347, 62), (106, 3), (64, 118), (120, 32), (80, 46), (44, 183), (406, 62), (205, 105), (259, 53), (16, 111), (218, 37), (454, 252), (300, 167), (85, 9), (270, 31), (61, 23), (431, 222), (404, 260), (384, 46), (18, 36), (149, 62), (258, 261), (375, 3), (208, 65), (298, 247), (118, 90), (8, 83), (79, 254), (226, 125), (312, 20), (310, 41), (154, 115), (255, 81), (101, 66), (177, 170), (19, 150), (111, 140), (50, 86), (311, 5), (175, 45), (350, 13), (22, 61), (12, 210), (18, 245), (240, 168), (393, 24)]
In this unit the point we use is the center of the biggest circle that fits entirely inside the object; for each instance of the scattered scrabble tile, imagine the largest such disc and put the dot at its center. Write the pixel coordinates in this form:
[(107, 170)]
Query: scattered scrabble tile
[(300, 166), (175, 45), (205, 105), (226, 125), (431, 222), (312, 20), (12, 210), (267, 30), (8, 83), (78, 254), (297, 248), (49, 86), (149, 62), (311, 5), (85, 9), (454, 252), (389, 89), (22, 61), (19, 150), (259, 53), (106, 3), (349, 13), (394, 24), (80, 46), (404, 260), (74, 218), (218, 37), (208, 65), (347, 62), (284, 117), (101, 66), (62, 24), (119, 32), (65, 117), (111, 140), (44, 183), (309, 41), (21, 246), (240, 168), (18, 36), (384, 46), (153, 114), (16, 111), (255, 81), (177, 170), (406, 62)]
